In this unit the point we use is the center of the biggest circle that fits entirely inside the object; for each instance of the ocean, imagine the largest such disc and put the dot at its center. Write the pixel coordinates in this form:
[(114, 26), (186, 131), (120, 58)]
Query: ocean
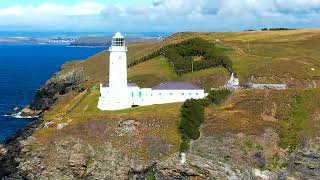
[(25, 68)]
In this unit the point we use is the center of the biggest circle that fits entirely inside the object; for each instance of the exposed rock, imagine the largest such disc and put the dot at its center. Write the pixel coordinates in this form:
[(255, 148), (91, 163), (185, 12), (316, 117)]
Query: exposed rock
[(48, 124), (265, 175), (11, 160), (304, 163), (126, 127), (201, 168), (27, 112), (78, 164), (3, 151), (78, 160), (25, 145), (58, 84), (61, 125), (260, 160), (74, 88), (14, 111)]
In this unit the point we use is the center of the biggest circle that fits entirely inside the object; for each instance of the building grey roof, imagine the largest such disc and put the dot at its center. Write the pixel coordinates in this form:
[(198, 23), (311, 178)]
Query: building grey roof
[(129, 85), (132, 85), (176, 86)]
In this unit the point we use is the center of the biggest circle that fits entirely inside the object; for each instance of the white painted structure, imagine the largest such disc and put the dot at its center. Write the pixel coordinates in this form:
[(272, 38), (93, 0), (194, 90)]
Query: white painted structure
[(119, 94), (268, 86), (233, 83), (183, 158)]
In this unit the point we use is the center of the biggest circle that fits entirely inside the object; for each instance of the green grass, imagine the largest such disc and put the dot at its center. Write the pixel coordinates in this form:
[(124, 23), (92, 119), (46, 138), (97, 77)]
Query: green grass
[(275, 56), (247, 144), (297, 124), (158, 70), (152, 72)]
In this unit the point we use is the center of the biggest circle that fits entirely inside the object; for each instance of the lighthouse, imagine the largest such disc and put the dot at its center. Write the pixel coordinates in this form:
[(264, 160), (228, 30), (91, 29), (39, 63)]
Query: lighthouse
[(114, 96), (119, 94), (118, 66)]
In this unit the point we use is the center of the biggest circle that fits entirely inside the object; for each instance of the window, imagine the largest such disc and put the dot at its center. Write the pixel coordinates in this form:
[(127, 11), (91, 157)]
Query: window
[(160, 94), (132, 94), (170, 94), (140, 94), (197, 93), (118, 42), (182, 94), (190, 94)]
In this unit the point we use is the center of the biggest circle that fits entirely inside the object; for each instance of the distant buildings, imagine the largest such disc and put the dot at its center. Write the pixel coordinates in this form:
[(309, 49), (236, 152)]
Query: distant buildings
[(61, 40), (233, 84), (118, 94)]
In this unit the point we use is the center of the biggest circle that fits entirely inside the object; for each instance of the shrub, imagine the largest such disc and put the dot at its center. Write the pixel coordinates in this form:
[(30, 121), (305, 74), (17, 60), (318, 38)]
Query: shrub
[(184, 146), (218, 96), (181, 54), (192, 116)]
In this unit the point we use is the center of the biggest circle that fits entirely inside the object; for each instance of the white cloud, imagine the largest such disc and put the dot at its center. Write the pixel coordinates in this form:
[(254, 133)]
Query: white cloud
[(12, 11), (82, 8), (164, 15)]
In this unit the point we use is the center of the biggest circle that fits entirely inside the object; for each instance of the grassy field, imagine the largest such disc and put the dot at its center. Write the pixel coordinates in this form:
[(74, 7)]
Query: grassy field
[(155, 71), (271, 56), (275, 56)]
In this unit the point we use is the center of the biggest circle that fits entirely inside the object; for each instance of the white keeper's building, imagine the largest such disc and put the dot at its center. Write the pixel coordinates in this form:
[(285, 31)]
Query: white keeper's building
[(119, 94)]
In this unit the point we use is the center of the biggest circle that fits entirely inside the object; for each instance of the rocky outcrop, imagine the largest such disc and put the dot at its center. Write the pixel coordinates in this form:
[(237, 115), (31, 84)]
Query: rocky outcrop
[(61, 125), (12, 149), (305, 162), (78, 160), (13, 111), (127, 127), (60, 84), (27, 112)]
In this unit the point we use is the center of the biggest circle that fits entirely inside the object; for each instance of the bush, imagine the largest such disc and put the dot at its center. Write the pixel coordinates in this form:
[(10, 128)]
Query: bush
[(218, 96), (192, 116), (184, 146), (181, 55)]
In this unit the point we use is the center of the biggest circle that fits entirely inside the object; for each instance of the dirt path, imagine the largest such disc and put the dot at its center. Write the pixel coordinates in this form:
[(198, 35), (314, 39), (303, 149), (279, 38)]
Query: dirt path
[(238, 50)]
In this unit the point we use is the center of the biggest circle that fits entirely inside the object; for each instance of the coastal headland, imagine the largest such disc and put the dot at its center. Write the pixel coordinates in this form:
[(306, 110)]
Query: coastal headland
[(254, 134)]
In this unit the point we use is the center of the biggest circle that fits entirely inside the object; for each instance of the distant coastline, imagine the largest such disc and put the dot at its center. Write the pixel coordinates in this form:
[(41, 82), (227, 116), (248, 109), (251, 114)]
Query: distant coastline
[(73, 39)]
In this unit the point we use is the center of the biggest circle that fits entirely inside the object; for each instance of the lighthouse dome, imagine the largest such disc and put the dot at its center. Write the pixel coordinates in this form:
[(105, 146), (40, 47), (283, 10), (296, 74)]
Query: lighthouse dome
[(118, 35)]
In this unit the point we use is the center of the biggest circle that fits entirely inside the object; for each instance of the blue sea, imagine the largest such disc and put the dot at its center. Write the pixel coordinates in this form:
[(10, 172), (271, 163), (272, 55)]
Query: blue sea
[(25, 68)]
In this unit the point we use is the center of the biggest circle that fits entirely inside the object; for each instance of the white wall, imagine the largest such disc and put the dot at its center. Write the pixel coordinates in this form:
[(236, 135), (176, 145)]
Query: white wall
[(145, 96)]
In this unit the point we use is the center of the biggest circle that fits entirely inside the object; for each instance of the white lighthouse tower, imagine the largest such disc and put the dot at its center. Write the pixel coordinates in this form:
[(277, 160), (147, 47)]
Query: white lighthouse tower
[(114, 96), (118, 64)]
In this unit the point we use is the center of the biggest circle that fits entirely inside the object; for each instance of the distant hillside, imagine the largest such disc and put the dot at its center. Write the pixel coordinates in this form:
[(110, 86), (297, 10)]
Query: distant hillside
[(102, 41)]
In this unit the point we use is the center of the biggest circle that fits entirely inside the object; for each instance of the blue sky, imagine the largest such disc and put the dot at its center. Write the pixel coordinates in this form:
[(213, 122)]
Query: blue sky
[(156, 15)]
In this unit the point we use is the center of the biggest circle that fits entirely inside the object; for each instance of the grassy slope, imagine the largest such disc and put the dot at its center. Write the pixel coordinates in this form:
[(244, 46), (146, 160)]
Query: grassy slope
[(275, 56), (272, 54)]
